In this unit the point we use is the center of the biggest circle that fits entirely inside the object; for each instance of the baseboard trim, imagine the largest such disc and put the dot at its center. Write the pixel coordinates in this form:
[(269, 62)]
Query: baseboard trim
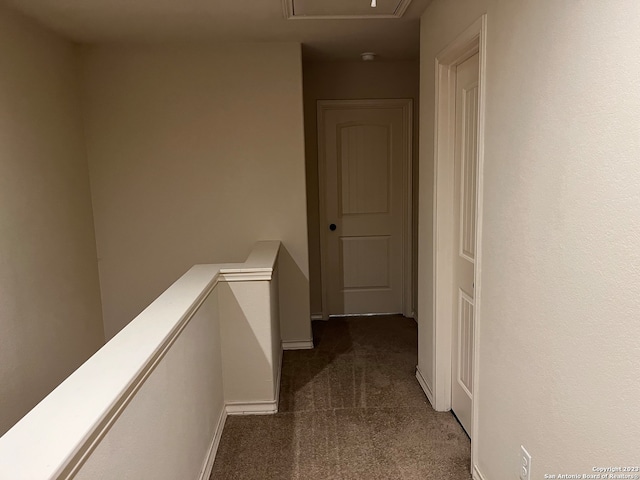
[(476, 474), (317, 316), (298, 345), (425, 386), (252, 408), (264, 407), (213, 448), (278, 377)]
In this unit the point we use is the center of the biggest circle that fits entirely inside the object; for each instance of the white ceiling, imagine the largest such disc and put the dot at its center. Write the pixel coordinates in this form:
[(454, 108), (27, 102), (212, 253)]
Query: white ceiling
[(143, 21)]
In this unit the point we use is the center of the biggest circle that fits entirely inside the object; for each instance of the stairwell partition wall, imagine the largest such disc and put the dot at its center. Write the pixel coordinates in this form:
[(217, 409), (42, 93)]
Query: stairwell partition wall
[(153, 401)]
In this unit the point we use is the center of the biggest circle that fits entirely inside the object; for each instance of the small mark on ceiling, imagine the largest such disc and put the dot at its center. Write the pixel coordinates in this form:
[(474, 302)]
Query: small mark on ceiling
[(336, 9)]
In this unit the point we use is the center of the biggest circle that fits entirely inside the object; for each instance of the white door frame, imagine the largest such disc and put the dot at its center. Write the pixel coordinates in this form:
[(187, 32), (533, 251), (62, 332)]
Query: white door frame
[(407, 230), (470, 42)]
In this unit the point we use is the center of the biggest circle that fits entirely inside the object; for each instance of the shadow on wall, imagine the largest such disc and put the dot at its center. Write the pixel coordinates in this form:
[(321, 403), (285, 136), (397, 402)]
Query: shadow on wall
[(249, 336), (295, 318)]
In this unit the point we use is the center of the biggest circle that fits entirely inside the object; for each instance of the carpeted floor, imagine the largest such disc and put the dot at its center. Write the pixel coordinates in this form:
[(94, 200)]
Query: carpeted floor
[(349, 409)]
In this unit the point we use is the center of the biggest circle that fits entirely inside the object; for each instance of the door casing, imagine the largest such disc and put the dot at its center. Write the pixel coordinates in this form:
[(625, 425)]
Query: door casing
[(323, 106), (470, 42)]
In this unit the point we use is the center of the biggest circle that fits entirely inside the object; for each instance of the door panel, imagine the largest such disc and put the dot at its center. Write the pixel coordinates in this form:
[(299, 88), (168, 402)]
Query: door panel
[(467, 237), (363, 158), (366, 262), (465, 199), (364, 168), (464, 371)]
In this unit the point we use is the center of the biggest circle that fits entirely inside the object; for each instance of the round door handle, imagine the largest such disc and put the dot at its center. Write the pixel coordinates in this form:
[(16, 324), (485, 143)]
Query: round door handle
[(332, 227)]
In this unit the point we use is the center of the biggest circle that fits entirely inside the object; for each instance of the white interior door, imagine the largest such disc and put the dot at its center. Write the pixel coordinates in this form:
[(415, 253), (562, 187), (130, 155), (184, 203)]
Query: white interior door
[(363, 154), (466, 157)]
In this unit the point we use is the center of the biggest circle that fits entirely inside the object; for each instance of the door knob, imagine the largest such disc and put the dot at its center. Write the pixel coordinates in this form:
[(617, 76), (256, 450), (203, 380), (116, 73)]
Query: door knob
[(332, 227)]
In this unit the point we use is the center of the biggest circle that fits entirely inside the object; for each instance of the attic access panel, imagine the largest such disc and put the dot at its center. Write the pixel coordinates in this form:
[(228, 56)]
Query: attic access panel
[(329, 9)]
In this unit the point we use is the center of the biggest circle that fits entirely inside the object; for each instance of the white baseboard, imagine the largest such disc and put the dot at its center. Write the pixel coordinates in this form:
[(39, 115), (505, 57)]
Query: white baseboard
[(476, 474), (298, 345), (205, 473), (266, 407), (252, 408), (425, 386), (278, 377), (317, 316)]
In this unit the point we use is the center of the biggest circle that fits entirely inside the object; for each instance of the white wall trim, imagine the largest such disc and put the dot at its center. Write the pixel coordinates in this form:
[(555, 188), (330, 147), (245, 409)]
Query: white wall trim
[(469, 42), (278, 379), (245, 276), (443, 292), (407, 221), (259, 265), (424, 385), (298, 345), (475, 427), (265, 407), (318, 316), (476, 474), (205, 473)]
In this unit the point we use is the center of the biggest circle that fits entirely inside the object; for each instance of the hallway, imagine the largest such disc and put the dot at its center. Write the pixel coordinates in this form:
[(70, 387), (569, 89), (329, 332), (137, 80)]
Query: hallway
[(349, 409)]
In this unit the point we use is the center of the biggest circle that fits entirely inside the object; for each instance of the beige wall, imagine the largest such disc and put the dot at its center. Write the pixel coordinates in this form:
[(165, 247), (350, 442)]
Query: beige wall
[(50, 319), (343, 81), (194, 154), (559, 354)]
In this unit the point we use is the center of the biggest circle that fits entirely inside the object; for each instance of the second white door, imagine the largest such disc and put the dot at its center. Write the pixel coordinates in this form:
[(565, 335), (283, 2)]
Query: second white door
[(363, 163), (464, 235)]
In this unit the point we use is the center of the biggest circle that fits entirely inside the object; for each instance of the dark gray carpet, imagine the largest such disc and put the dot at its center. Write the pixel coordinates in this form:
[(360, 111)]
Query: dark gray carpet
[(349, 409)]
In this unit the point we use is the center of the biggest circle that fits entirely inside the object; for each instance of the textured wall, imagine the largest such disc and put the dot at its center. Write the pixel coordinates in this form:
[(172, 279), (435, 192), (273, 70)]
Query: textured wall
[(559, 352), (195, 154), (50, 319)]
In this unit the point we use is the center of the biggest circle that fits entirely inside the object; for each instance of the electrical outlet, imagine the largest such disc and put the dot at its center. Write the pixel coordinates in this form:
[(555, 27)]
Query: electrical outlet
[(525, 464)]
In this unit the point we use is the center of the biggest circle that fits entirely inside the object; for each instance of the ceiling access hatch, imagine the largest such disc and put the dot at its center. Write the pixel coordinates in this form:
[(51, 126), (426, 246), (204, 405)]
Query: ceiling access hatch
[(333, 9)]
